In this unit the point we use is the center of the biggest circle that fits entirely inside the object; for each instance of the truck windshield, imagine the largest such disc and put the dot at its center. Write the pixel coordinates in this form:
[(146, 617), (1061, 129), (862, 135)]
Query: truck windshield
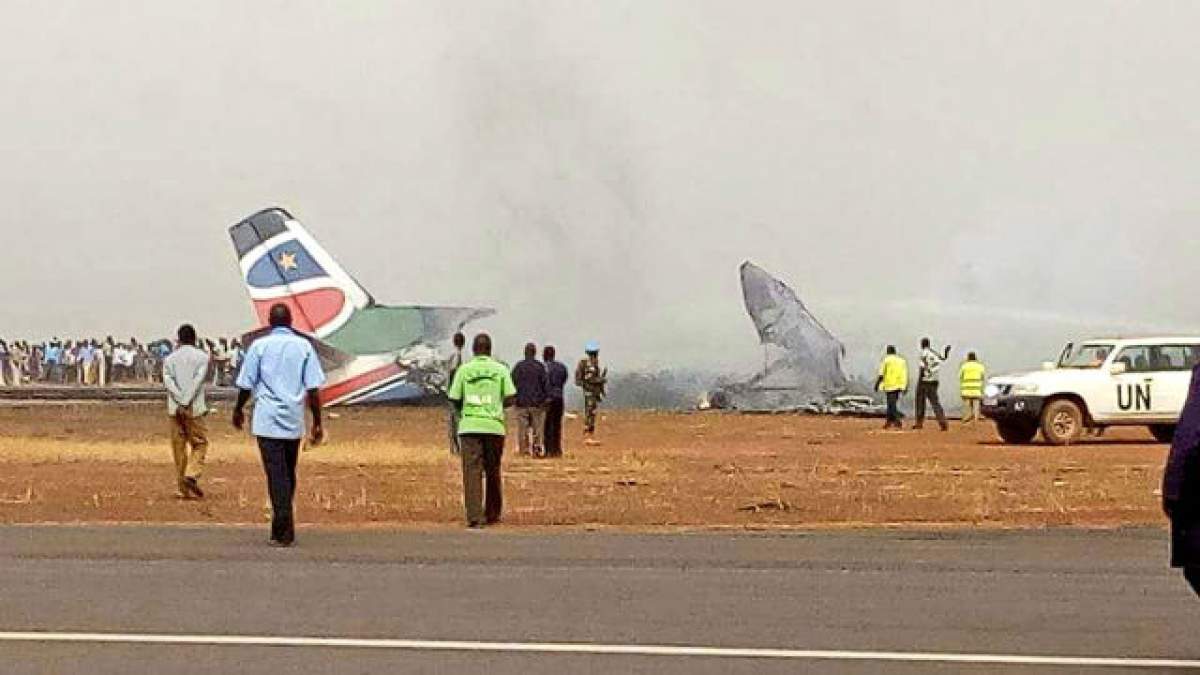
[(1085, 356)]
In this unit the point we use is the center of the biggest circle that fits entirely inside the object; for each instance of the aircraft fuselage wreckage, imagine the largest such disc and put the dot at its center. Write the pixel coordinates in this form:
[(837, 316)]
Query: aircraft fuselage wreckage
[(803, 369), (371, 353)]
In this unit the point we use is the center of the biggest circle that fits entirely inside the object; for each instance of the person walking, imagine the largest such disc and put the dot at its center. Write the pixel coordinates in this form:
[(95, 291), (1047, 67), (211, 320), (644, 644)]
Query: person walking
[(144, 363), (1181, 488), (481, 390), (86, 362), (971, 376), (592, 379), (452, 365), (121, 356), (893, 382), (530, 377), (220, 357), (18, 356), (69, 361), (48, 362), (556, 381), (107, 349), (184, 374), (235, 359), (5, 364), (101, 367), (37, 358), (927, 385), (281, 371)]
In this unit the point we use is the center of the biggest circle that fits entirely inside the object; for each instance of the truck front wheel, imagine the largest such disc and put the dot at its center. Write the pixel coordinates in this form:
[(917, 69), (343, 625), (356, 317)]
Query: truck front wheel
[(1062, 422), (1016, 432)]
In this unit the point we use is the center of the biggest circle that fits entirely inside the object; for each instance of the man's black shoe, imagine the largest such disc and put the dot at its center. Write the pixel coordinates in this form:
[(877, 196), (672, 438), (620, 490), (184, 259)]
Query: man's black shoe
[(194, 487), (276, 543)]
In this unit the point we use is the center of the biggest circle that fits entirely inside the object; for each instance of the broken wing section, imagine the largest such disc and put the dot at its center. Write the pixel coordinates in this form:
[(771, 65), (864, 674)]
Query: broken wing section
[(803, 359)]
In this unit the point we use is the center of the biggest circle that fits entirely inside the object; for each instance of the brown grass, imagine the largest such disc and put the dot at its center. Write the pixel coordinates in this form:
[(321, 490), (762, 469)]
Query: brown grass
[(111, 463)]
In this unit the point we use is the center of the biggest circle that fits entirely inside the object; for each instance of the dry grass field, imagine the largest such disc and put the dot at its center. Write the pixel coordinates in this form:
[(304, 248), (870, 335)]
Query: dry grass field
[(111, 463)]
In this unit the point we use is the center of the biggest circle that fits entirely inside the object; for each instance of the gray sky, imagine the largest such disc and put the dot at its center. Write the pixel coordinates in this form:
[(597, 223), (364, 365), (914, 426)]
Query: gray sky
[(1005, 175)]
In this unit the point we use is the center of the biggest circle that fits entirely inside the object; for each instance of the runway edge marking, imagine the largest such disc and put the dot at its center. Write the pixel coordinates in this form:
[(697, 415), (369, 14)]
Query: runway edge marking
[(595, 649)]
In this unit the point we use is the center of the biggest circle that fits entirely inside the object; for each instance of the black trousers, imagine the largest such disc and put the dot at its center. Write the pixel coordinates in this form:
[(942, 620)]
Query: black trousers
[(1192, 574), (481, 454), (554, 419), (928, 391), (893, 409), (279, 461)]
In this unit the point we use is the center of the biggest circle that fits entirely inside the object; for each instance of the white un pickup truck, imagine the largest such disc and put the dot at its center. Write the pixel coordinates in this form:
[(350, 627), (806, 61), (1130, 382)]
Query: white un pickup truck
[(1094, 385)]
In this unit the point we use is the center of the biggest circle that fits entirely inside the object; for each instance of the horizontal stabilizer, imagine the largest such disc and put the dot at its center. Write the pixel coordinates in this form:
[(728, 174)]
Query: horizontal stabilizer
[(331, 357), (379, 328)]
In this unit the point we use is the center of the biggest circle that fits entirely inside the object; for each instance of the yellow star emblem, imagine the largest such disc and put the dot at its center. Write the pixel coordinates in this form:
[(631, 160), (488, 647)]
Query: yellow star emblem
[(287, 261)]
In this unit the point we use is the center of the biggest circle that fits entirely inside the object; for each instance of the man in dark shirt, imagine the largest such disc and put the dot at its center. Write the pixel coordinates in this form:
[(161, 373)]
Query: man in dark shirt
[(530, 377), (1181, 488), (556, 379)]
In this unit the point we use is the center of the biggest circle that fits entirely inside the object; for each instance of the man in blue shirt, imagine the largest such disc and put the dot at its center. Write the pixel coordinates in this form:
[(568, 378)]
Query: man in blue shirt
[(530, 377), (85, 359), (51, 358), (282, 371), (556, 379)]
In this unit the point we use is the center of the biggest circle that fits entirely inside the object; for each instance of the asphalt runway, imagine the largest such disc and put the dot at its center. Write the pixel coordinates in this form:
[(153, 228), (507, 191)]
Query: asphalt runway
[(202, 600)]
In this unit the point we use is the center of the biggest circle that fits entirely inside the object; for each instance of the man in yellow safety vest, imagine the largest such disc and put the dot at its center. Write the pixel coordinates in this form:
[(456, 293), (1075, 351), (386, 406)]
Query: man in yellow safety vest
[(893, 381), (971, 377)]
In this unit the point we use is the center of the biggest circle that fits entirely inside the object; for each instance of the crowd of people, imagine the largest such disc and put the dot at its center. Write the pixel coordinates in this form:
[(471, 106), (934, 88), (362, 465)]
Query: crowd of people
[(539, 399), (107, 362), (483, 388)]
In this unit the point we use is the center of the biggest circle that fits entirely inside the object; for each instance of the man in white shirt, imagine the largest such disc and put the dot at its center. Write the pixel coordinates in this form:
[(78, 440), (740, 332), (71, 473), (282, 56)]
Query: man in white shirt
[(122, 363), (927, 386), (185, 372)]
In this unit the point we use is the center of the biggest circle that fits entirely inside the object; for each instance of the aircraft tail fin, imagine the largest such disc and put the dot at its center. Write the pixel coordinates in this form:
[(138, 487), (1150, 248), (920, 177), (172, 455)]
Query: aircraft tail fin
[(282, 262)]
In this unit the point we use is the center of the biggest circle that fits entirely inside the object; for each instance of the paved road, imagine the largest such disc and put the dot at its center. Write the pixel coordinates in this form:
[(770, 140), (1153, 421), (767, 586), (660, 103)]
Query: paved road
[(1060, 593)]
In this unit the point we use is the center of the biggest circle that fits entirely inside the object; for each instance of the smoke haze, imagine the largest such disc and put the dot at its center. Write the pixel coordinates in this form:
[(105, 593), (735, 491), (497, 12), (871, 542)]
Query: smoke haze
[(1004, 176)]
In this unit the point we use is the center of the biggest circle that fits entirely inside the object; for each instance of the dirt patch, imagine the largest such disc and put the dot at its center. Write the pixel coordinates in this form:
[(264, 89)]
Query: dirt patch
[(109, 463)]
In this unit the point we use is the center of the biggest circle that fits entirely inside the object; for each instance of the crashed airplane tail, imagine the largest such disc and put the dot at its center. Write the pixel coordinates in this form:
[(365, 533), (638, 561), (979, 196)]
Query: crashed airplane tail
[(380, 352), (804, 360), (281, 262)]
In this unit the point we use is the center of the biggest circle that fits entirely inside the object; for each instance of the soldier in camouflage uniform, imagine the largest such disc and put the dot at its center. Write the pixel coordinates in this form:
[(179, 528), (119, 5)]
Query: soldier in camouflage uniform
[(591, 378)]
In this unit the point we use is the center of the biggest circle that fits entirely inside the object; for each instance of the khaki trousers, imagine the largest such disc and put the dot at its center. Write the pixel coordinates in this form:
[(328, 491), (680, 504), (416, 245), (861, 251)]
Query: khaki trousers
[(189, 442), (531, 423), (972, 409)]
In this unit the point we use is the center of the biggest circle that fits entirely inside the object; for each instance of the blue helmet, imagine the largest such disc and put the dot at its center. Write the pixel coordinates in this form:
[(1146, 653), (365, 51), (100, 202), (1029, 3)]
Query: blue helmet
[(592, 347)]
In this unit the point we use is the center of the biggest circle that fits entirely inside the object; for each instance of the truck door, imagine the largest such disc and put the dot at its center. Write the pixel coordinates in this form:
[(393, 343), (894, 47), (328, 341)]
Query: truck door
[(1172, 376), (1127, 392)]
